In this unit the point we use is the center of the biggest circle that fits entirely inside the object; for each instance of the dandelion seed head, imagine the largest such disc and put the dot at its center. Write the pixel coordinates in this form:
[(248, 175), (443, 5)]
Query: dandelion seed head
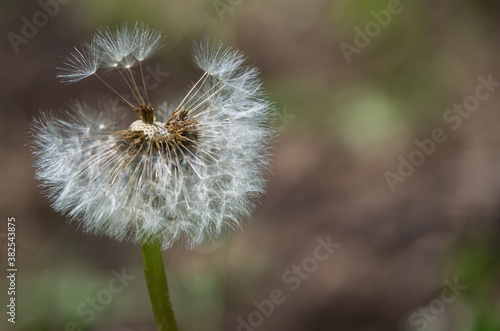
[(183, 174)]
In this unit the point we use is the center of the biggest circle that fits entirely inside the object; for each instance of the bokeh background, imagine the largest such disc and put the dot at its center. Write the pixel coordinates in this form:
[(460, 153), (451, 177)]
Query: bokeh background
[(344, 122)]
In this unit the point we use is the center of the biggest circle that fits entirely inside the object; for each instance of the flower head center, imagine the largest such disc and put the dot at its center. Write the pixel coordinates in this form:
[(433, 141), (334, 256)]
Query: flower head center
[(178, 136), (151, 131)]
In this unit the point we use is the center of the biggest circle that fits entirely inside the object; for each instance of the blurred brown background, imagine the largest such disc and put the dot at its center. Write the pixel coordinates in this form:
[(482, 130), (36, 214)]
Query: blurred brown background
[(424, 256)]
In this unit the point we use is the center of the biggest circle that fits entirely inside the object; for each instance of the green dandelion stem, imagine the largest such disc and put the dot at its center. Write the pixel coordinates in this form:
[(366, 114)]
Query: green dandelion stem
[(156, 280)]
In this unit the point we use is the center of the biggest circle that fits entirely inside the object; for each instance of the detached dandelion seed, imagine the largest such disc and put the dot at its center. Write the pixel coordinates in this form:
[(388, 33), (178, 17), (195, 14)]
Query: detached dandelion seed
[(177, 176)]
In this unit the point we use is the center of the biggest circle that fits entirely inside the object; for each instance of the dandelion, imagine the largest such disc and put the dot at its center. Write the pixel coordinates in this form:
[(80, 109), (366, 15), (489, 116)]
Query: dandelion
[(177, 176)]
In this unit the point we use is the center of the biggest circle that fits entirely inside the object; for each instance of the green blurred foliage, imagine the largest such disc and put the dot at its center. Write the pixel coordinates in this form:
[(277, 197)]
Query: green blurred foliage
[(478, 264)]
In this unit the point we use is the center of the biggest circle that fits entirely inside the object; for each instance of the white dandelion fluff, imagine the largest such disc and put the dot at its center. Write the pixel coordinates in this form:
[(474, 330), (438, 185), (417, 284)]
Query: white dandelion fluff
[(80, 64), (182, 174), (125, 46), (148, 41)]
